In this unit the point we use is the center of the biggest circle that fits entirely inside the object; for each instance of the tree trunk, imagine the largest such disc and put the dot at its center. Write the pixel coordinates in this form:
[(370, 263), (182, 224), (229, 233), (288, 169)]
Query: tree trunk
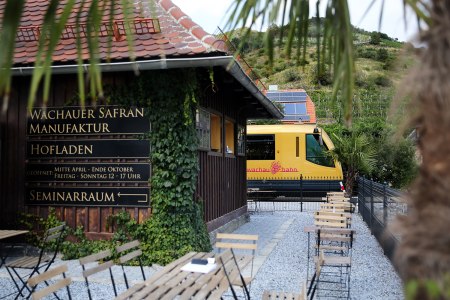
[(350, 178), (424, 252)]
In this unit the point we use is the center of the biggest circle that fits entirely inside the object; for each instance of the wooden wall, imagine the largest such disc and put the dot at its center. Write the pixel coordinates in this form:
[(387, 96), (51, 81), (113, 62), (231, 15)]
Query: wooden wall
[(221, 182)]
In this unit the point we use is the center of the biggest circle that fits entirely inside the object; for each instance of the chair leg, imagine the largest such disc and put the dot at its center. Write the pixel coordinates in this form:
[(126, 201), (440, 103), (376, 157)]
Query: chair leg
[(125, 277), (113, 282), (142, 269), (229, 281), (15, 283), (24, 283), (88, 289)]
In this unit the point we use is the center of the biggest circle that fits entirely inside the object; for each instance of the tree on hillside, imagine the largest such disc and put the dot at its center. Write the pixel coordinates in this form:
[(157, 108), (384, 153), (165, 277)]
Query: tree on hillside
[(423, 254)]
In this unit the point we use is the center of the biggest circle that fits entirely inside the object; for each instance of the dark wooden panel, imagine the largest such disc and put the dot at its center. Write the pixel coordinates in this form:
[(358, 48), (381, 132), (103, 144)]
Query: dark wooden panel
[(221, 181), (93, 213), (105, 212), (80, 216)]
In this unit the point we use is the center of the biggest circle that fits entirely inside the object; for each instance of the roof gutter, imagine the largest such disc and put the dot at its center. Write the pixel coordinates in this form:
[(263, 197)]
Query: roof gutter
[(226, 62)]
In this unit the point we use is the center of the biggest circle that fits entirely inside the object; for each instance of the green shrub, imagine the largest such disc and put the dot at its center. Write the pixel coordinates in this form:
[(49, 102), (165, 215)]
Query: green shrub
[(361, 79), (291, 75), (79, 246), (279, 66), (382, 55), (375, 38), (382, 80), (367, 52)]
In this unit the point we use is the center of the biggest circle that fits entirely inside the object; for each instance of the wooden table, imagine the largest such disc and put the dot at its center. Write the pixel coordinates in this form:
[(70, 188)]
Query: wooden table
[(171, 282), (4, 234)]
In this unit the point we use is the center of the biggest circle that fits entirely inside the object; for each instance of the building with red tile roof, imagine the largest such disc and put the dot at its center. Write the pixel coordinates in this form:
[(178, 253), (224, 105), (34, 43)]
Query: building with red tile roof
[(298, 106), (163, 38)]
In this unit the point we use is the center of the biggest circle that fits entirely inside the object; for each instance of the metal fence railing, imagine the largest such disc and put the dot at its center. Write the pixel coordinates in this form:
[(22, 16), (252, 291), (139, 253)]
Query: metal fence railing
[(378, 204)]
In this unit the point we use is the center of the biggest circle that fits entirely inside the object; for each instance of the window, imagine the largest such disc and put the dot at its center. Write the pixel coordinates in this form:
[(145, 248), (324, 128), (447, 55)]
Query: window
[(315, 152), (216, 133), (203, 129), (240, 140), (260, 147), (229, 137)]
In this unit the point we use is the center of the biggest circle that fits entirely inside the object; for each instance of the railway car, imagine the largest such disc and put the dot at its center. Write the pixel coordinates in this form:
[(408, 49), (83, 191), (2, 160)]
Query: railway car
[(289, 158)]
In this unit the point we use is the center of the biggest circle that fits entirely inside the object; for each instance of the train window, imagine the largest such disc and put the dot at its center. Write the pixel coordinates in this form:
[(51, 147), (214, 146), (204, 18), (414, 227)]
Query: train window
[(315, 152), (260, 147)]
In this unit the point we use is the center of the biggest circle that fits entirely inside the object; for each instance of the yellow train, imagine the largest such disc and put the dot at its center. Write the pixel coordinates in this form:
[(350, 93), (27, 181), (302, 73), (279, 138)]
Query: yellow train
[(290, 157)]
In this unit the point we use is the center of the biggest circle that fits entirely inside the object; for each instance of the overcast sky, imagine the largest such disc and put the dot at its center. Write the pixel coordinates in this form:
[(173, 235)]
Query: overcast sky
[(210, 14)]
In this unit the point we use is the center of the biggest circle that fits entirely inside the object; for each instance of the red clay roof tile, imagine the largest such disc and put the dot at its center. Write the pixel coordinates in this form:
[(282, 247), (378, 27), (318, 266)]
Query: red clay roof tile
[(179, 35)]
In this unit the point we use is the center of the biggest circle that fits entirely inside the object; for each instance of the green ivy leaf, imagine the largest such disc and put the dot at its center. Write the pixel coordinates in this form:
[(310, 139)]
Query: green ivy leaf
[(412, 288)]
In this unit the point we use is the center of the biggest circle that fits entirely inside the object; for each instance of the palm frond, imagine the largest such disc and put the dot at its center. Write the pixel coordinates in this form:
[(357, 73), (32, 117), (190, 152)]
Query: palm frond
[(11, 20)]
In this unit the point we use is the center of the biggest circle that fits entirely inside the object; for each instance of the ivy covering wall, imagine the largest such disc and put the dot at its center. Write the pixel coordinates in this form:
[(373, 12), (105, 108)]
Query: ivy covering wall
[(176, 225)]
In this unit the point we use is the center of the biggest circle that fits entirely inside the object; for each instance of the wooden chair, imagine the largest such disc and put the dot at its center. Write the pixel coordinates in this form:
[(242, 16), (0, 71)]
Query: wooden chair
[(328, 219), (337, 197), (49, 246), (337, 207), (338, 248), (332, 219), (50, 274), (341, 193), (304, 293), (334, 241), (102, 265), (245, 242), (130, 251)]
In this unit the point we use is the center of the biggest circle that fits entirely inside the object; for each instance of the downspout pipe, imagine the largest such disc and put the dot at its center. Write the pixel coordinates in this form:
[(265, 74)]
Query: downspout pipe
[(227, 62)]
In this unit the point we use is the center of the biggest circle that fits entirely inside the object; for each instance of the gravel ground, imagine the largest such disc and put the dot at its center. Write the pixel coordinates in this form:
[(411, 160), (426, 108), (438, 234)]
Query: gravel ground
[(282, 251)]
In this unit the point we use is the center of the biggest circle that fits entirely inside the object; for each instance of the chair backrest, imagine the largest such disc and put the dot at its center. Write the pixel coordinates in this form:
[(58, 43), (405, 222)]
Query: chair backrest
[(101, 266), (51, 242), (229, 241), (335, 240), (128, 252), (52, 288), (330, 219), (337, 207)]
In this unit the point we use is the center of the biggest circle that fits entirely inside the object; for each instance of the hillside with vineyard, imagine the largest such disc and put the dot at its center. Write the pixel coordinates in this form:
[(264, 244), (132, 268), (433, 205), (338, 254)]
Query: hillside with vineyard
[(380, 64)]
